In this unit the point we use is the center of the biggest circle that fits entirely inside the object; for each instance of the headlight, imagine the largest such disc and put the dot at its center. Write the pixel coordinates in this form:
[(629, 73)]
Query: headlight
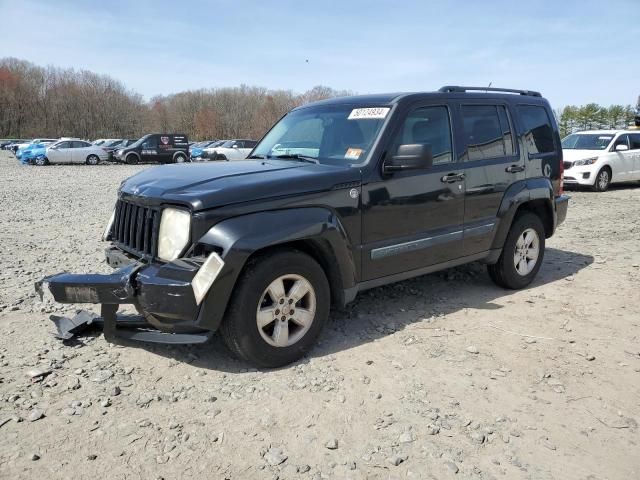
[(119, 152), (586, 161), (107, 230), (174, 233)]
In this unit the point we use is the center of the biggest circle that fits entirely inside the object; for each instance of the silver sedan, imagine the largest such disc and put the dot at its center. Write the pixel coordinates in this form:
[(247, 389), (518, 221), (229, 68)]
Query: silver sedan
[(74, 151)]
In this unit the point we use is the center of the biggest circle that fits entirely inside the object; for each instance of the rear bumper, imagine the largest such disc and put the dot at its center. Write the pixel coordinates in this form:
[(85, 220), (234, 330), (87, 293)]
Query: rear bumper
[(562, 205), (163, 292)]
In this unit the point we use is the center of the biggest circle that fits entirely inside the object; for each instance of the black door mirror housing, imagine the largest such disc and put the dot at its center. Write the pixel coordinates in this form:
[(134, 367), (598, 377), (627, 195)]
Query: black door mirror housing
[(415, 156)]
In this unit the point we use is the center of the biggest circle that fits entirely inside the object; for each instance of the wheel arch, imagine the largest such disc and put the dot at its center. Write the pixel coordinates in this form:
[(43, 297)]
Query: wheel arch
[(132, 152), (532, 195), (315, 231)]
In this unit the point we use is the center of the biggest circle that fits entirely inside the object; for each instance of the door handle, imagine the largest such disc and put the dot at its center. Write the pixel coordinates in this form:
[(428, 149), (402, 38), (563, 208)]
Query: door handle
[(452, 177), (514, 168)]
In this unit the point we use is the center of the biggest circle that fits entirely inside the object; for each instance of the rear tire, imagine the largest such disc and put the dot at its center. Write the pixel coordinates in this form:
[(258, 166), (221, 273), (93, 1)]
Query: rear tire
[(603, 180), (92, 160), (266, 323), (521, 255), (179, 158)]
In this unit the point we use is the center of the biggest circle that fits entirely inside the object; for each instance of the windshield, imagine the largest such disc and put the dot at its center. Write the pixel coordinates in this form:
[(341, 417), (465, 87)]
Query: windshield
[(333, 134), (589, 141)]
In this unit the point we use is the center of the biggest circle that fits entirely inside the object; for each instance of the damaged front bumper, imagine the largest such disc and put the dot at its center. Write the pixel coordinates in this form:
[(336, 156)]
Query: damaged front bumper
[(162, 293)]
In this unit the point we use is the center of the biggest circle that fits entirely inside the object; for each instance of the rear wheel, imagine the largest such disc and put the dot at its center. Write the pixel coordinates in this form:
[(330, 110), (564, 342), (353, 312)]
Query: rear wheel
[(521, 255), (603, 180), (220, 158), (180, 158), (92, 160), (280, 305)]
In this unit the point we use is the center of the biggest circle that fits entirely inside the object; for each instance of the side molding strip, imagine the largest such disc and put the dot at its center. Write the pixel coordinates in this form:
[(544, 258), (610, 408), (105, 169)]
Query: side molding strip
[(420, 244)]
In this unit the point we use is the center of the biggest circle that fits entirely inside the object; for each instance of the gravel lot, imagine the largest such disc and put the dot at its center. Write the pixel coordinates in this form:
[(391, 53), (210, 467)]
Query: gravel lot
[(445, 376)]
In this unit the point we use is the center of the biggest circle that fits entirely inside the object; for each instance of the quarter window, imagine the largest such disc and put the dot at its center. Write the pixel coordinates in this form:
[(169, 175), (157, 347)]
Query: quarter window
[(429, 125), (538, 129), (487, 132)]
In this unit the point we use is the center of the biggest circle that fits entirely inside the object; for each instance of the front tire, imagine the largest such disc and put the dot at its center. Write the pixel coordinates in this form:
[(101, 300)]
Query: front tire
[(41, 161), (131, 159), (521, 255), (603, 180), (280, 305)]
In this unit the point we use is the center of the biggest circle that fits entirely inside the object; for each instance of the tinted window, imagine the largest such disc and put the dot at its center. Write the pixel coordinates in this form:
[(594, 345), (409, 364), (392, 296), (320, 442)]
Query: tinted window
[(507, 135), (79, 144), (634, 139), (250, 144), (538, 130), (151, 142), (483, 132), (64, 145), (429, 125)]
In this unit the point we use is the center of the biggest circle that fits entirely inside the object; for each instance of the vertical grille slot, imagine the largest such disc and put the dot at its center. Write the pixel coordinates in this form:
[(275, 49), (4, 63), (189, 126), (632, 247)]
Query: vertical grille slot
[(135, 228)]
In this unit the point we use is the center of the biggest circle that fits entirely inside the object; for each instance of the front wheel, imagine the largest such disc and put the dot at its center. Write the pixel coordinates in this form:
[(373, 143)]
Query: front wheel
[(521, 255), (603, 180), (280, 305), (41, 161), (131, 159)]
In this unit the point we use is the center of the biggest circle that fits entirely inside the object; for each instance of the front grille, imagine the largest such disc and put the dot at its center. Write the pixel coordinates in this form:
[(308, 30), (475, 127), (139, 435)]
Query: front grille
[(135, 228), (567, 165)]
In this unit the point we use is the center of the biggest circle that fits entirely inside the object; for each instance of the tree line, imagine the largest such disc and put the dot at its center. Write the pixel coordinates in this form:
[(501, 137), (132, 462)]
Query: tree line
[(594, 117), (48, 101)]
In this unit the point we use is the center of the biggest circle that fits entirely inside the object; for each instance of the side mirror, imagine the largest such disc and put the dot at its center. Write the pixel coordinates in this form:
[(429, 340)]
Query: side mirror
[(235, 146), (416, 156), (621, 148)]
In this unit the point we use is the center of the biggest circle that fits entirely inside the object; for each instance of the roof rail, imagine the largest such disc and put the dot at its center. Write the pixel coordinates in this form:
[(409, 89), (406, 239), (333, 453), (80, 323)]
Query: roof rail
[(457, 89)]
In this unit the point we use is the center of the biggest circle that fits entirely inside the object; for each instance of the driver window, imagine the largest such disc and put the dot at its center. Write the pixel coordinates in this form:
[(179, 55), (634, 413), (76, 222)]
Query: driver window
[(621, 140), (150, 143), (428, 125)]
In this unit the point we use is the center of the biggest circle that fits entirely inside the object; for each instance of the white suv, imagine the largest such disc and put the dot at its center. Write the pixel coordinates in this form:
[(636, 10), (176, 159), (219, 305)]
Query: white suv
[(231, 150), (598, 158)]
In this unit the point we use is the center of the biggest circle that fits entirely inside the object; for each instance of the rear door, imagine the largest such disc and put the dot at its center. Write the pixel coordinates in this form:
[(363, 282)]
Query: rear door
[(80, 151), (491, 161)]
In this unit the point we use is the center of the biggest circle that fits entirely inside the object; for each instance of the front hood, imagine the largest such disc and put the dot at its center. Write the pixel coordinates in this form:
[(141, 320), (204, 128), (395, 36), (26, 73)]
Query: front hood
[(570, 154), (214, 184)]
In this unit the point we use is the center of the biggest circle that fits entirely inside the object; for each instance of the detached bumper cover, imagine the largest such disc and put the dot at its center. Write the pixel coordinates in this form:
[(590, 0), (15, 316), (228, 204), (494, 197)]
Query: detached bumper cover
[(162, 291)]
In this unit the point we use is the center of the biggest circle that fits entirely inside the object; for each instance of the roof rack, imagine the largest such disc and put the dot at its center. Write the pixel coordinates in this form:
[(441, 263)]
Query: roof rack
[(457, 89)]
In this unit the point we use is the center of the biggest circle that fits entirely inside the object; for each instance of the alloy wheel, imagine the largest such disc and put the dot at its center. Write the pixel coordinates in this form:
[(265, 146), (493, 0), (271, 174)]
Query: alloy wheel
[(286, 310), (527, 252)]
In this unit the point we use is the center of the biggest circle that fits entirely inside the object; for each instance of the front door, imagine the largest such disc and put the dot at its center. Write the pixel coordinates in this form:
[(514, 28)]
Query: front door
[(413, 219), (634, 144), (621, 160), (62, 153)]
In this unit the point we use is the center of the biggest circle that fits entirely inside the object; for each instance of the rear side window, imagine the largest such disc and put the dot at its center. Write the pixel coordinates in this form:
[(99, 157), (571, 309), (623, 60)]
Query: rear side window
[(634, 141), (487, 132), (80, 144), (538, 130)]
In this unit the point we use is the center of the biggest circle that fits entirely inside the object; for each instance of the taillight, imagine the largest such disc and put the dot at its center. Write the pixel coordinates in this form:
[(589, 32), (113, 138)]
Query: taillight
[(561, 189)]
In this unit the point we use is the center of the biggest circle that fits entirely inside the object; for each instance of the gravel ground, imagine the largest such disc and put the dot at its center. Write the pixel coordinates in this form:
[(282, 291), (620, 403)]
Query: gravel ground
[(444, 376)]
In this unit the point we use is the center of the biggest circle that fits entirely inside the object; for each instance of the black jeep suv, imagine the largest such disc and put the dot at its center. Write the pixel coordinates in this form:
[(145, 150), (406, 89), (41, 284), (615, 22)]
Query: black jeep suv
[(340, 196), (155, 147)]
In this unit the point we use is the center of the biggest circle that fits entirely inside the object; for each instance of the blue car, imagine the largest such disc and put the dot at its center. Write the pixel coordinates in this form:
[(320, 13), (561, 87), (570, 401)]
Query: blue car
[(195, 150), (34, 150)]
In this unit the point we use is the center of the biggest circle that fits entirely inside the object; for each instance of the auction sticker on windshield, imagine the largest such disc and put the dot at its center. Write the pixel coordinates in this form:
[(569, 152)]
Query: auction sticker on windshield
[(353, 153), (362, 113)]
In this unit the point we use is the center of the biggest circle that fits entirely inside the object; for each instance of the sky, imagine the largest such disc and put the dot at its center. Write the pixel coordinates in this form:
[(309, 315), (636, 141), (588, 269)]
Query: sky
[(574, 52)]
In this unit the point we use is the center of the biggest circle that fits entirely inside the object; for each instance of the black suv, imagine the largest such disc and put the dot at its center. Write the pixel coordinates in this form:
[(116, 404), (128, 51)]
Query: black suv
[(340, 196), (155, 147)]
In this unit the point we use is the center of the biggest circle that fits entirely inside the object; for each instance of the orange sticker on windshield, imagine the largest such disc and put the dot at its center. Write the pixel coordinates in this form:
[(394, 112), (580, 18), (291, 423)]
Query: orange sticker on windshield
[(353, 153)]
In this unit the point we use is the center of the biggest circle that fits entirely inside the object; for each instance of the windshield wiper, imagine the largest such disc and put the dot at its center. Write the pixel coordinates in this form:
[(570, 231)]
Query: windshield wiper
[(258, 156), (296, 156)]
